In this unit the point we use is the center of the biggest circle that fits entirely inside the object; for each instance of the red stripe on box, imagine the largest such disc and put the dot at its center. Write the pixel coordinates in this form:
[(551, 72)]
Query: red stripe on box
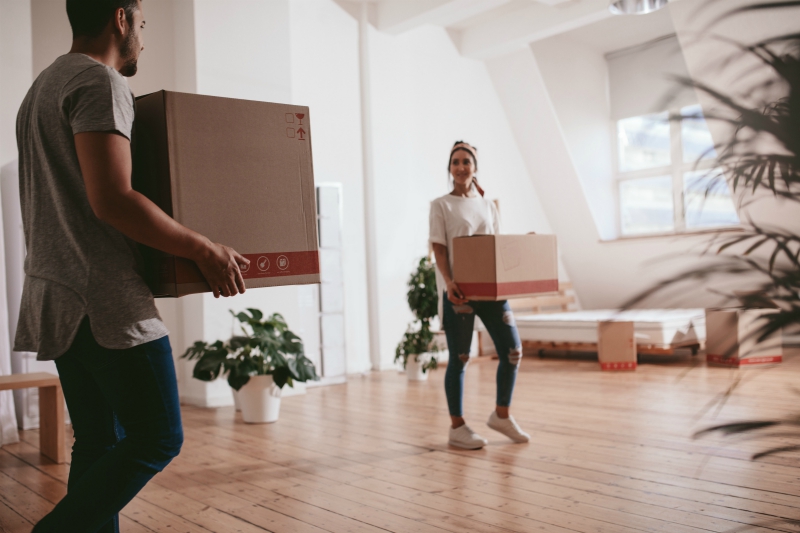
[(735, 361), (622, 365), (508, 288), (266, 265), (281, 264)]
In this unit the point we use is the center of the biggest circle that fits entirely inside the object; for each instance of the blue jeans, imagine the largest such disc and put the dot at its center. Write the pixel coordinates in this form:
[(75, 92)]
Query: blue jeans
[(127, 423), (458, 322)]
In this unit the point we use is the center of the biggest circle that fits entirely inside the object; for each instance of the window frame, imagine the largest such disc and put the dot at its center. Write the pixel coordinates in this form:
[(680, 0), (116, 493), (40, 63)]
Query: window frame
[(676, 169)]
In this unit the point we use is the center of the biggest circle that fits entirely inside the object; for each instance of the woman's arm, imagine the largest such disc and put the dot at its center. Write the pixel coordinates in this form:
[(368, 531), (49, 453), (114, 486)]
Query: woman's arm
[(454, 294)]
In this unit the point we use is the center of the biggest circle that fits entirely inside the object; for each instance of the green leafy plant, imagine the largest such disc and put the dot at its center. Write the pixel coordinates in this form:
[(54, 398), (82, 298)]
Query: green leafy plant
[(266, 347), (423, 301), (416, 342), (422, 296), (761, 154)]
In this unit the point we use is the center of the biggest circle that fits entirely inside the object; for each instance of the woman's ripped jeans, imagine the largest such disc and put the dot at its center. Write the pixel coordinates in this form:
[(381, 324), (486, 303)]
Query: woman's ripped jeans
[(458, 322)]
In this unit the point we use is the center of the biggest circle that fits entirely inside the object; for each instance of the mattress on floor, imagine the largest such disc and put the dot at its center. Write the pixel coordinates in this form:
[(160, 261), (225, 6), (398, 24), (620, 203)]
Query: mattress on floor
[(658, 327)]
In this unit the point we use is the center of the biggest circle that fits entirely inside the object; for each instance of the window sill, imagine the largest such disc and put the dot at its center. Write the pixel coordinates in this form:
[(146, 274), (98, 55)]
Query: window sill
[(673, 234)]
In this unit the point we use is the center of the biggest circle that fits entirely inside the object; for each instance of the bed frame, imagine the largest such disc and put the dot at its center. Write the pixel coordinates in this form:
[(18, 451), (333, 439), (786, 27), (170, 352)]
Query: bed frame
[(641, 349), (560, 302), (554, 302)]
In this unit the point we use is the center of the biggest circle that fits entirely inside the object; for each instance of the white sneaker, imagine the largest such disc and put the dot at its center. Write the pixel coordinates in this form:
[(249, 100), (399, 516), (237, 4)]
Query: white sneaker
[(463, 437), (508, 427)]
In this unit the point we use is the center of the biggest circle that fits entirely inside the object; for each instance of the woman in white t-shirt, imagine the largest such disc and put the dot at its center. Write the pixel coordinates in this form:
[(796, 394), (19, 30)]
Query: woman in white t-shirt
[(461, 213)]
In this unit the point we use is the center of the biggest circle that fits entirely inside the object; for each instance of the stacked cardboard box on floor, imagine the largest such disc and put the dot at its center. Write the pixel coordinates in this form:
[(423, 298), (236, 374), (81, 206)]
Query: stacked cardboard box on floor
[(616, 345), (501, 267), (730, 338), (239, 172)]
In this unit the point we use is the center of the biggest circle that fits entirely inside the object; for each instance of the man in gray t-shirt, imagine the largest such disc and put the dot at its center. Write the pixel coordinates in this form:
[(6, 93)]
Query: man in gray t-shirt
[(77, 264), (84, 301)]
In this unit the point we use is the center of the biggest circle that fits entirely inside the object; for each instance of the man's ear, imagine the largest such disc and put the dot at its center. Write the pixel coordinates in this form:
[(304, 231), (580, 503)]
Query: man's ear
[(120, 22)]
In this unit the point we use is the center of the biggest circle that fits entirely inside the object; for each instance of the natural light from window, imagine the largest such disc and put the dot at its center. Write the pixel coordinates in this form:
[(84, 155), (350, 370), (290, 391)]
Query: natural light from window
[(707, 200), (647, 205), (667, 181), (695, 138), (643, 142)]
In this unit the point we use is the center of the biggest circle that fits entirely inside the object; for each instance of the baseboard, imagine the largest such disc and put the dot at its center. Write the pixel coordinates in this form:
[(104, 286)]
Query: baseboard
[(337, 380), (220, 400), (298, 389)]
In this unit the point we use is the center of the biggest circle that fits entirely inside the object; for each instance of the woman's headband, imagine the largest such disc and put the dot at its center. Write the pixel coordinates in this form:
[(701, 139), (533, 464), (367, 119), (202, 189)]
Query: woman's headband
[(461, 145)]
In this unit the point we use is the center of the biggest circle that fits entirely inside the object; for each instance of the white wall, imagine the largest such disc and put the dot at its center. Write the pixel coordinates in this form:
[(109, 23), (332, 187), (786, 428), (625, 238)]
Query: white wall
[(425, 97), (325, 70), (243, 49), (52, 35), (576, 76), (16, 58), (169, 59)]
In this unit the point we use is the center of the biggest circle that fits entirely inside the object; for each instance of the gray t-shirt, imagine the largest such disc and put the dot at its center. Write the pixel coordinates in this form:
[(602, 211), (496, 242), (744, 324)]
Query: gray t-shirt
[(76, 265)]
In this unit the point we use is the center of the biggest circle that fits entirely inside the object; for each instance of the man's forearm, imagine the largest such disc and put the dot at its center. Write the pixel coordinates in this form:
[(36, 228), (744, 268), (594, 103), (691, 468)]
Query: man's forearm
[(105, 159), (138, 218)]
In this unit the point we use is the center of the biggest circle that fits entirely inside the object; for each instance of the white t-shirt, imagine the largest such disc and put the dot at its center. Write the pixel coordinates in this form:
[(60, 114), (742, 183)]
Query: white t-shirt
[(457, 216)]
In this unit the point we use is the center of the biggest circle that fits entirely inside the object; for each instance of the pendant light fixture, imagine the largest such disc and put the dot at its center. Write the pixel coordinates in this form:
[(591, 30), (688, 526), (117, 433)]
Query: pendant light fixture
[(635, 7)]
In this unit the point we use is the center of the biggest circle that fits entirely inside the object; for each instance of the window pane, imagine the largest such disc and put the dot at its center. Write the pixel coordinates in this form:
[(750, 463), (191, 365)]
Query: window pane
[(646, 205), (695, 137), (643, 142), (707, 200)]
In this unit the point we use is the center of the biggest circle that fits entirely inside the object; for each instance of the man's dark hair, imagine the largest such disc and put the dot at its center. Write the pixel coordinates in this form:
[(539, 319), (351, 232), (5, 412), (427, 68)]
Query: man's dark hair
[(89, 18)]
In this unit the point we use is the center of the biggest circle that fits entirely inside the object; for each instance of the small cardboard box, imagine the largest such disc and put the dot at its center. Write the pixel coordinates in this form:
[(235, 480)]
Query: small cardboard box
[(501, 267), (238, 172), (730, 338), (616, 345)]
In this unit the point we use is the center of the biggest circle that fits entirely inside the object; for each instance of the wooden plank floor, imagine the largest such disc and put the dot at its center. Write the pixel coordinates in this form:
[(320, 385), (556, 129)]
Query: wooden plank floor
[(611, 452)]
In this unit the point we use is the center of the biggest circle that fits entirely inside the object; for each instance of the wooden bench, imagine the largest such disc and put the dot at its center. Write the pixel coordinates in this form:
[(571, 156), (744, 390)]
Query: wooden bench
[(52, 439)]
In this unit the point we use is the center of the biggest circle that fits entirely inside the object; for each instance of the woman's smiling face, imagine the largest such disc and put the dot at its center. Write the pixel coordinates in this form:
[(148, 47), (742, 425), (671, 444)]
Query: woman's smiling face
[(462, 167)]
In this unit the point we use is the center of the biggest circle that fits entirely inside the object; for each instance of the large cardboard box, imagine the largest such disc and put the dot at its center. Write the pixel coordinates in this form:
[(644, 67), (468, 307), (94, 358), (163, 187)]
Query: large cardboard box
[(616, 345), (238, 172), (501, 267), (730, 338)]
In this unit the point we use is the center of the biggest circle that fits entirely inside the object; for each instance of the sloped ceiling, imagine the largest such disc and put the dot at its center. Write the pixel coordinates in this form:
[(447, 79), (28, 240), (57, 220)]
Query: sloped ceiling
[(483, 29)]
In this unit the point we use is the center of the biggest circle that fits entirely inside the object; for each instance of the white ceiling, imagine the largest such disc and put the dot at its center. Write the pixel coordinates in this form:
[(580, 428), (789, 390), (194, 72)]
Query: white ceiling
[(488, 16), (616, 33), (483, 29)]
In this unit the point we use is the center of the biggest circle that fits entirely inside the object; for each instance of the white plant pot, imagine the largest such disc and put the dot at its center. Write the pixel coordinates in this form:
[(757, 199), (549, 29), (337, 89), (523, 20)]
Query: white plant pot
[(260, 399), (236, 402), (414, 368)]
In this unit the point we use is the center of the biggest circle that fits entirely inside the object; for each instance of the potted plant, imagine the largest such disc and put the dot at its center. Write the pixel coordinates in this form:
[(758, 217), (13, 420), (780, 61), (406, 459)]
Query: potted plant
[(761, 153), (417, 349), (258, 363)]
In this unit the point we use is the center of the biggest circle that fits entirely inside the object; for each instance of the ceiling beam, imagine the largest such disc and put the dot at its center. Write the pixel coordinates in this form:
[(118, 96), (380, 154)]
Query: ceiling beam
[(397, 16), (353, 8), (517, 29)]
